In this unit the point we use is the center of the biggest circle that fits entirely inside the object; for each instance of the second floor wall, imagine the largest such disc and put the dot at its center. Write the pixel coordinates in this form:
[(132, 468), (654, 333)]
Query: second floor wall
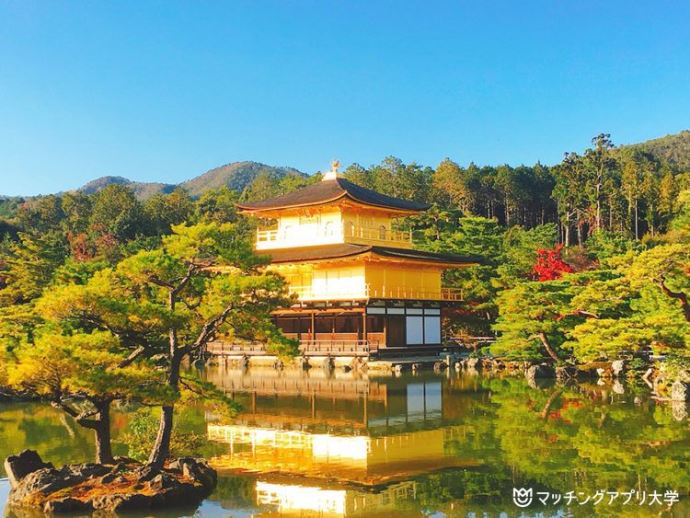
[(331, 226)]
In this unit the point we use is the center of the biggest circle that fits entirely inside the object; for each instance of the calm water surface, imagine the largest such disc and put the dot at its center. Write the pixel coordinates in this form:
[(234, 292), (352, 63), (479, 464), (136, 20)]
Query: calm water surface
[(327, 445)]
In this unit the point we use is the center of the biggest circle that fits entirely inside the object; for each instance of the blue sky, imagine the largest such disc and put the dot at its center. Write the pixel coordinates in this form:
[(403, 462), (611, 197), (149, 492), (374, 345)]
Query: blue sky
[(163, 91)]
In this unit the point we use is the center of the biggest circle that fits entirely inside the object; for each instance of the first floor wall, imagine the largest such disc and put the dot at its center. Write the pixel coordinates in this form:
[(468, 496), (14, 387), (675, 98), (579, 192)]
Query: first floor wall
[(377, 325)]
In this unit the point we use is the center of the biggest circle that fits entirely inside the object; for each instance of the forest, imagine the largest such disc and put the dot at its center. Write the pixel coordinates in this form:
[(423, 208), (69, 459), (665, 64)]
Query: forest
[(585, 260)]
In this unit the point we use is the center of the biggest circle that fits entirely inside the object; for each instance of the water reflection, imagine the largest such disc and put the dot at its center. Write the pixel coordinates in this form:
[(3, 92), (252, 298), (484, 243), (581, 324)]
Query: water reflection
[(452, 444), (345, 444)]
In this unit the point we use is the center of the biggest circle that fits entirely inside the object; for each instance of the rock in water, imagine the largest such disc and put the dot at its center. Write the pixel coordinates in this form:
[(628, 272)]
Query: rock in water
[(543, 370), (124, 486), (680, 391), (565, 373), (19, 466), (618, 368)]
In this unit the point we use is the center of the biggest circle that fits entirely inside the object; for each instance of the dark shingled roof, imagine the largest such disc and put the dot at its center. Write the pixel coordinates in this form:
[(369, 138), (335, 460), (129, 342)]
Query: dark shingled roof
[(337, 251), (332, 190)]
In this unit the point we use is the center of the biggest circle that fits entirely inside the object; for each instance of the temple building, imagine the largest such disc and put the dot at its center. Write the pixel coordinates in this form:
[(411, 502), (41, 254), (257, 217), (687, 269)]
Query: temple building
[(361, 288)]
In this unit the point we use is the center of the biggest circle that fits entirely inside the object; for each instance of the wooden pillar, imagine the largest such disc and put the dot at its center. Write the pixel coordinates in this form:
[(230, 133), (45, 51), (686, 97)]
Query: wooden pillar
[(385, 330), (365, 338), (366, 410), (313, 328)]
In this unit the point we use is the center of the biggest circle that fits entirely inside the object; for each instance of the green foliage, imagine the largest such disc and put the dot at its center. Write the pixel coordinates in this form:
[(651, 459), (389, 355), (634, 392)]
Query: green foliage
[(674, 149), (117, 212), (30, 265), (606, 244), (520, 252), (82, 365), (531, 320), (162, 211)]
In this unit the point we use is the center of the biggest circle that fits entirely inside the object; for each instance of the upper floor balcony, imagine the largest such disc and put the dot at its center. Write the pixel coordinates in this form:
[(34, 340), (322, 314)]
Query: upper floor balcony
[(358, 291), (330, 233)]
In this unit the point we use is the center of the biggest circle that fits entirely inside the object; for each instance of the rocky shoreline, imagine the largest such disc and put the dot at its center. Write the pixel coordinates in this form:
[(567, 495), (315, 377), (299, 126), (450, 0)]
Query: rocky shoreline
[(10, 395), (38, 487), (663, 387)]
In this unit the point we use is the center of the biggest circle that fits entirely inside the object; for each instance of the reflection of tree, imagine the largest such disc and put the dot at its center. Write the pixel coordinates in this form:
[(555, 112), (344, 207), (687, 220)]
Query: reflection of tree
[(38, 427), (235, 492), (560, 439), (578, 444)]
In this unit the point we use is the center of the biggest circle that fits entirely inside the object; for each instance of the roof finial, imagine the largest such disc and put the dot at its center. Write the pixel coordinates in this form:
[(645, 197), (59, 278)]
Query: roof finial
[(333, 173)]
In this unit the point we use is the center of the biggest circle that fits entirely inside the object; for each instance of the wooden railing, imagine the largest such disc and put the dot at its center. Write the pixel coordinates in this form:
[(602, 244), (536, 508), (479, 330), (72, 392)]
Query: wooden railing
[(270, 238), (319, 344), (308, 293), (378, 234)]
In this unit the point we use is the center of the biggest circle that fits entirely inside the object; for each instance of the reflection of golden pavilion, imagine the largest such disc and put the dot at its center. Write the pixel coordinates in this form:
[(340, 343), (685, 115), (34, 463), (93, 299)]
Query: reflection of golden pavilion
[(384, 430), (359, 459), (340, 444), (307, 501)]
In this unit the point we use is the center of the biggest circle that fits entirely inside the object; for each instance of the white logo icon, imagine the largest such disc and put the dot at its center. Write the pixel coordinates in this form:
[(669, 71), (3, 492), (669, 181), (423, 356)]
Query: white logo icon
[(522, 497)]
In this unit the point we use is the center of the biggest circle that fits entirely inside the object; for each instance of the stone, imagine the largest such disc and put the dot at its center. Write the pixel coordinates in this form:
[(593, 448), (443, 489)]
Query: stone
[(474, 363), (618, 387), (565, 373), (147, 473), (604, 373), (618, 368), (108, 478), (19, 466), (440, 366), (201, 472), (67, 505), (543, 370), (303, 363), (680, 391), (125, 487), (679, 410)]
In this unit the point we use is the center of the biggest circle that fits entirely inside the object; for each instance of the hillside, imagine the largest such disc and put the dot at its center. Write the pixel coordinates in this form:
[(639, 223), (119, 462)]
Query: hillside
[(675, 149), (236, 176), (142, 190)]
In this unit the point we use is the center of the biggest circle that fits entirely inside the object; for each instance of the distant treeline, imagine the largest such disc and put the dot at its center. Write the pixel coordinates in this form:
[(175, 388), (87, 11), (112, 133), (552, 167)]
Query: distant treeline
[(624, 190)]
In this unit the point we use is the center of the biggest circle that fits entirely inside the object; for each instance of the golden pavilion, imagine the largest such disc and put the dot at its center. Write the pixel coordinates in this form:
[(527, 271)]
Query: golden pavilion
[(361, 288)]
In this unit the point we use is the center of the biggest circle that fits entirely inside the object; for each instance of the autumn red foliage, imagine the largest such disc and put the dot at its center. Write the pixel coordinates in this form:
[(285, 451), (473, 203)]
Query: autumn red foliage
[(550, 265)]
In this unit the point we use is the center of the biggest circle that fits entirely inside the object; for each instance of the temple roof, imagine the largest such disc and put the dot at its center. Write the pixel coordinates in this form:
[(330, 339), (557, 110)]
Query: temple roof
[(343, 250), (330, 191)]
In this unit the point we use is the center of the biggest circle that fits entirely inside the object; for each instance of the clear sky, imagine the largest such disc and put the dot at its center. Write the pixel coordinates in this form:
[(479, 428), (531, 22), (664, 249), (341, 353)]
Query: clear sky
[(163, 91)]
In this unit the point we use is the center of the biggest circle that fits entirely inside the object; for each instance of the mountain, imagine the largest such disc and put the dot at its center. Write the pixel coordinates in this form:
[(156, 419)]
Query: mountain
[(142, 190), (675, 149), (236, 175)]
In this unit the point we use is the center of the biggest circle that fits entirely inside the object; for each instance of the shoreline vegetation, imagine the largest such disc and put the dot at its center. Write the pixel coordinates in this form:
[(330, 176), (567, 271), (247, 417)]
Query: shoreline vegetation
[(104, 297)]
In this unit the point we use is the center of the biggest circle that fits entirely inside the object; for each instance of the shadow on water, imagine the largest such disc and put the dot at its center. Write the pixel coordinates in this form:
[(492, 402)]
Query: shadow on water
[(342, 444)]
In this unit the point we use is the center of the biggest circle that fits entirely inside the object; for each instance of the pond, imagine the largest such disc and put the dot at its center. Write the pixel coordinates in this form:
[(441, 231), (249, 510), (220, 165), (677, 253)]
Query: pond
[(345, 444)]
